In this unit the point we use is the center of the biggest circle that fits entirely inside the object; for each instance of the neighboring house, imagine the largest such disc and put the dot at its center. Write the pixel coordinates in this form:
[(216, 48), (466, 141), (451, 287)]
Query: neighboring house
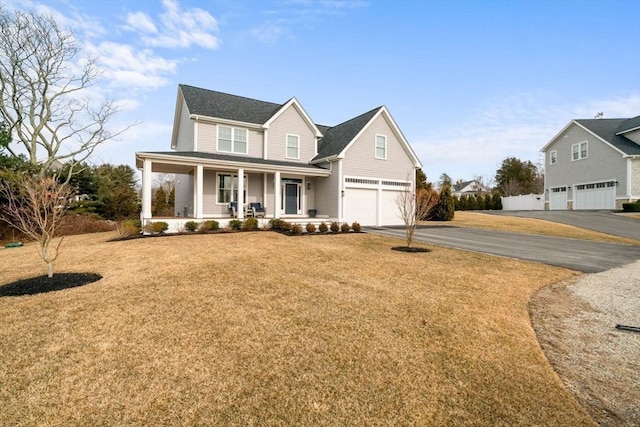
[(593, 164), (280, 158), (467, 187)]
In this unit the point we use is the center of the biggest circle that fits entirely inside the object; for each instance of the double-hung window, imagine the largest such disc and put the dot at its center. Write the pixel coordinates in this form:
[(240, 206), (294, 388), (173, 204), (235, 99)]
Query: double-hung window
[(293, 147), (228, 188), (232, 140), (553, 157), (579, 151), (381, 147)]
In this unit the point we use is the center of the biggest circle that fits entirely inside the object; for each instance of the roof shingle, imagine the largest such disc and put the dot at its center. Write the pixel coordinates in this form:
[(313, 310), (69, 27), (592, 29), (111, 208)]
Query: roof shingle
[(607, 129)]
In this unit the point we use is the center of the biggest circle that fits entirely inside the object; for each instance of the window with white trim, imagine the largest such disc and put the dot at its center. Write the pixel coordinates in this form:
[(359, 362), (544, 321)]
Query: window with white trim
[(293, 147), (381, 147), (228, 188), (553, 157), (579, 151), (232, 140)]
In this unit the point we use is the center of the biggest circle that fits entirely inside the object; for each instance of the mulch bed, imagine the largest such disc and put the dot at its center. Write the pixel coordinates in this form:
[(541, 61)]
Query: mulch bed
[(410, 249), (42, 284)]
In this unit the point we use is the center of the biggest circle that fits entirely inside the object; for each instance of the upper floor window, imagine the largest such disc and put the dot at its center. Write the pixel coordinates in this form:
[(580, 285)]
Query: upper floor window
[(232, 140), (553, 157), (293, 147), (579, 151), (381, 147)]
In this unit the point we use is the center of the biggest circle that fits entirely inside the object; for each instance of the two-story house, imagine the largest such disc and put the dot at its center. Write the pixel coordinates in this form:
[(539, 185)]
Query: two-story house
[(231, 149), (593, 164)]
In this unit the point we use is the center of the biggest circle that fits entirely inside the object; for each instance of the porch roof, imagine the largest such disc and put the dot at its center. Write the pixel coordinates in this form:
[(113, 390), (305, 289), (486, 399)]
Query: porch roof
[(184, 161)]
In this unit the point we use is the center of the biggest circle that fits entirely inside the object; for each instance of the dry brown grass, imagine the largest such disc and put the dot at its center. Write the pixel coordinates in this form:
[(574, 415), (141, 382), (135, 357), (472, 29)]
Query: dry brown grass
[(260, 328), (529, 226)]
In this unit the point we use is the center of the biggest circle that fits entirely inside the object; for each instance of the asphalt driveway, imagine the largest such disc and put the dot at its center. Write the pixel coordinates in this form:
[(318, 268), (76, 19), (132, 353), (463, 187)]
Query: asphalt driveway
[(580, 255), (603, 221)]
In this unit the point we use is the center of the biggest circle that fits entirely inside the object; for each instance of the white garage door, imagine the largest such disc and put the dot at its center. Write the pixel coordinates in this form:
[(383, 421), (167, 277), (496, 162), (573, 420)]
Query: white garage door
[(601, 195), (360, 205), (558, 199), (390, 210)]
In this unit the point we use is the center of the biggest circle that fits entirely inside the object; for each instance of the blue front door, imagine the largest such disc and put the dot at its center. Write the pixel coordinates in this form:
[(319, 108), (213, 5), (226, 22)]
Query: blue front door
[(291, 199)]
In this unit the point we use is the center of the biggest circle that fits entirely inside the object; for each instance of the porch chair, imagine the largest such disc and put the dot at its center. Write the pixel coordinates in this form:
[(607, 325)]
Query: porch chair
[(258, 210), (234, 209)]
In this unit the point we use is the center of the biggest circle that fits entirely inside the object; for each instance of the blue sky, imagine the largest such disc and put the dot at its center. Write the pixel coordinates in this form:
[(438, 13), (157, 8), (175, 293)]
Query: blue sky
[(468, 82)]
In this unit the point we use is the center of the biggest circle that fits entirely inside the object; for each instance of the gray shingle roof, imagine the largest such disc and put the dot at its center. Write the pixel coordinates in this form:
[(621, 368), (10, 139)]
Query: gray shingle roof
[(607, 129), (225, 106), (633, 123), (231, 158), (335, 139)]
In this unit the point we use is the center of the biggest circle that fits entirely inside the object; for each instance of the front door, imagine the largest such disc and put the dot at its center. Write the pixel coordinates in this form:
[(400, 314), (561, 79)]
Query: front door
[(291, 198)]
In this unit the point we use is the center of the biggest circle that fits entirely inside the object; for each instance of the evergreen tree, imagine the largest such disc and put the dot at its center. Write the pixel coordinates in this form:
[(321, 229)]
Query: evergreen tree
[(444, 210)]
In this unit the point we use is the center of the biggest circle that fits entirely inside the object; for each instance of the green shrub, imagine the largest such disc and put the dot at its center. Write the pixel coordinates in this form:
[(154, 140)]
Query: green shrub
[(275, 224), (444, 210), (334, 227), (296, 229), (191, 226), (311, 228), (129, 227), (344, 227), (250, 224), (210, 225), (156, 227), (355, 227), (235, 224), (631, 207), (323, 228)]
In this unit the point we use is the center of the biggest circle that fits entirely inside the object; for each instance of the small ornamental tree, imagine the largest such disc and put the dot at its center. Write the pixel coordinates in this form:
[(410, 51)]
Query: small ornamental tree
[(414, 207), (35, 205)]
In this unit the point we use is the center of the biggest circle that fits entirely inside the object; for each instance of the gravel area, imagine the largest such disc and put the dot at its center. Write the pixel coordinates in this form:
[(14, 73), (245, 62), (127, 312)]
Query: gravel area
[(575, 323)]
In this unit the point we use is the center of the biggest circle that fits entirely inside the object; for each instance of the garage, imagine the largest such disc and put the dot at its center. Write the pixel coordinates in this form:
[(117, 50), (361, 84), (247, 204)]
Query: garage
[(558, 199), (361, 204), (599, 195)]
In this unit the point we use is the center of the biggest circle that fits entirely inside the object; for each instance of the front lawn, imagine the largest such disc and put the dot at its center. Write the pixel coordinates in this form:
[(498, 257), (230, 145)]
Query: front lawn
[(263, 329)]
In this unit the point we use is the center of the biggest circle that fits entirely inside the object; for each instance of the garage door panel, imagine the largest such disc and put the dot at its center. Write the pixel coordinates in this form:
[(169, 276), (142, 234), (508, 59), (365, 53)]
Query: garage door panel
[(558, 199), (390, 210), (360, 205), (595, 196)]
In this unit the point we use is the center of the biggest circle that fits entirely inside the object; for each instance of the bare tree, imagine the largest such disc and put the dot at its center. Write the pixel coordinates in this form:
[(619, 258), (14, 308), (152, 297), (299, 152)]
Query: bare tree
[(413, 207), (35, 205), (43, 78)]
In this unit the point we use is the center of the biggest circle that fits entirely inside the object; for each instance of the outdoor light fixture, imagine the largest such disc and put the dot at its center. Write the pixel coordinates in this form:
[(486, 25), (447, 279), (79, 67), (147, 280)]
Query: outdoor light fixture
[(308, 185)]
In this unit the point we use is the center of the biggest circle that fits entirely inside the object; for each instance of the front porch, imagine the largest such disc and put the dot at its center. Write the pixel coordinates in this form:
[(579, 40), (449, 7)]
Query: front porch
[(206, 187)]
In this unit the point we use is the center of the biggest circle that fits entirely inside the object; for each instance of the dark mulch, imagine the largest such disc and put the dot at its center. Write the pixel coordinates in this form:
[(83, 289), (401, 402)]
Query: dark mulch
[(410, 249), (42, 284)]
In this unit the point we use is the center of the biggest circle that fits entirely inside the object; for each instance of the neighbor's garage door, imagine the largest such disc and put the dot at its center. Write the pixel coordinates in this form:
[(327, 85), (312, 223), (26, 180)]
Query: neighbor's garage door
[(360, 205), (601, 195), (558, 199)]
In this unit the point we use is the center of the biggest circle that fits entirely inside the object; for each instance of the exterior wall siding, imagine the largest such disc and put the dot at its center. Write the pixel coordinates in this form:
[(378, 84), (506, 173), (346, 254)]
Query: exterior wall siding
[(602, 163), (208, 134), (327, 192), (212, 208), (185, 130), (635, 179), (360, 157), (291, 122), (184, 195), (634, 136)]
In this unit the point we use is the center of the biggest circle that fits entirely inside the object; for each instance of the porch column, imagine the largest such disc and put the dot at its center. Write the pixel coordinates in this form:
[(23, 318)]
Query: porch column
[(276, 195), (146, 189), (240, 193), (199, 192)]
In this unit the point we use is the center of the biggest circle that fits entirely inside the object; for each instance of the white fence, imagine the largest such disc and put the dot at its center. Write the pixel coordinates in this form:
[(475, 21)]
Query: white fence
[(524, 202)]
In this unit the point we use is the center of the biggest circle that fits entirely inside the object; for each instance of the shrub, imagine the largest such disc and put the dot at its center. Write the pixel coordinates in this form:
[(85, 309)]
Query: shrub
[(444, 210), (344, 227), (191, 226), (235, 224), (250, 224), (323, 228), (311, 228), (129, 227), (156, 227), (210, 225), (285, 226), (334, 227), (355, 227), (296, 229), (275, 224), (631, 207)]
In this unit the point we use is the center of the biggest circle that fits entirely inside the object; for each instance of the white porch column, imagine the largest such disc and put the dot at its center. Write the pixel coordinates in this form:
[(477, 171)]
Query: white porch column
[(276, 195), (264, 190), (199, 196), (146, 189), (240, 193)]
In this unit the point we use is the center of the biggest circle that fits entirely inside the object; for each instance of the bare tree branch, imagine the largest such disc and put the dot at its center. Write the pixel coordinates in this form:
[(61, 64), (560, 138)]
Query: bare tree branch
[(415, 206)]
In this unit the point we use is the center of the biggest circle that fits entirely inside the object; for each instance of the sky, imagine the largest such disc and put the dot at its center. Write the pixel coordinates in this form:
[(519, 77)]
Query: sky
[(469, 83)]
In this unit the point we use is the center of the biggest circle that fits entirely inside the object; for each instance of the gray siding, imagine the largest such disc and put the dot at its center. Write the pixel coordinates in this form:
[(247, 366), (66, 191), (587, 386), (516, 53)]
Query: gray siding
[(634, 136), (635, 179), (360, 157), (184, 195), (185, 130), (327, 192), (602, 163), (292, 122), (208, 134)]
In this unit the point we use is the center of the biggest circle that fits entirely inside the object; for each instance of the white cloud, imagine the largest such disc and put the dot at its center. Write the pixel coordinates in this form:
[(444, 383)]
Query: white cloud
[(176, 28)]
